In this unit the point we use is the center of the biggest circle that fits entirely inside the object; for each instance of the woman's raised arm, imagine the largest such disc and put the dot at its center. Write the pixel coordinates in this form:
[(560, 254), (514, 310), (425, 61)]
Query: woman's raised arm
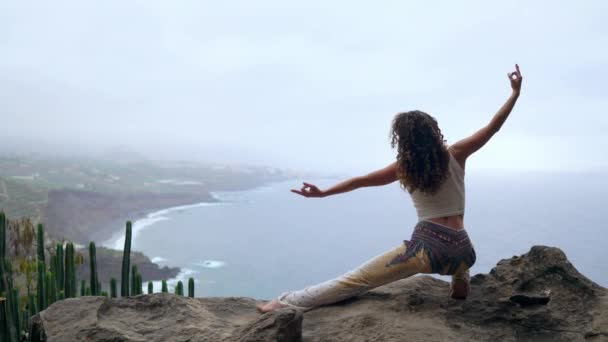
[(380, 177), (467, 146)]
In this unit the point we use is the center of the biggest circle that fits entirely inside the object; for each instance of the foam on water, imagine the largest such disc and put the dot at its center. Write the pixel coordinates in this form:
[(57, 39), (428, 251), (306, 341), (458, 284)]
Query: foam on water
[(172, 283), (210, 264), (158, 259)]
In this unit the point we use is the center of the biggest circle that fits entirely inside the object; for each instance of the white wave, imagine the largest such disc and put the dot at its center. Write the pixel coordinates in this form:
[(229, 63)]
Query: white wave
[(241, 195), (118, 240), (182, 276), (158, 259), (211, 264)]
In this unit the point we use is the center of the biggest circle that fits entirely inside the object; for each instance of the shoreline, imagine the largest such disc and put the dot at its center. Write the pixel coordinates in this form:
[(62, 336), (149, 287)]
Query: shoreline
[(146, 219), (117, 240)]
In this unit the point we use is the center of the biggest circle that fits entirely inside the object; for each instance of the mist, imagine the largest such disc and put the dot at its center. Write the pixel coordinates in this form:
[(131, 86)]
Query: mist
[(309, 86)]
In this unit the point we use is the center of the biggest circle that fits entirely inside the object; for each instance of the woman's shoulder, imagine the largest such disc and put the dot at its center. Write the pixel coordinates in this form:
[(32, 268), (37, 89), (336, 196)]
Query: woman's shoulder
[(459, 157)]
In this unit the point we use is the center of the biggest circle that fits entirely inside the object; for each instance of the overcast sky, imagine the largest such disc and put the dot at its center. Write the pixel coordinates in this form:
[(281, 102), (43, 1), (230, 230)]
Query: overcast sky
[(309, 84)]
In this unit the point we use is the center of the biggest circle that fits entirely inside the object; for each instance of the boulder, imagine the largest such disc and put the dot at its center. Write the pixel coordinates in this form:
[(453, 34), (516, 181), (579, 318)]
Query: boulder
[(538, 296)]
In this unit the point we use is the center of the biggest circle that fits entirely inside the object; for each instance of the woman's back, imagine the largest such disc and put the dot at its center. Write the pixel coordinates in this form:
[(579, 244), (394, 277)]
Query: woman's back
[(449, 200)]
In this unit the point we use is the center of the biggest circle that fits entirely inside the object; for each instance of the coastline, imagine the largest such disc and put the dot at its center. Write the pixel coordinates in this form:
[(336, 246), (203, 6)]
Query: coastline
[(145, 219), (117, 240)]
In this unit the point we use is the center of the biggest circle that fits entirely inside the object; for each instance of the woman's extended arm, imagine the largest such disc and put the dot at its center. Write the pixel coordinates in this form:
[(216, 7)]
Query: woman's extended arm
[(380, 177), (467, 146)]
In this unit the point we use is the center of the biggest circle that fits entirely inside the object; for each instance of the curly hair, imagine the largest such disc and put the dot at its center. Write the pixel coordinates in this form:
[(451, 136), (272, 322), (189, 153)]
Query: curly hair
[(422, 158)]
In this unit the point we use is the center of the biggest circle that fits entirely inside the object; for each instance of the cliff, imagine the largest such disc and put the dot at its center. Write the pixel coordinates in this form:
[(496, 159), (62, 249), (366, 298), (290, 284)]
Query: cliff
[(538, 296)]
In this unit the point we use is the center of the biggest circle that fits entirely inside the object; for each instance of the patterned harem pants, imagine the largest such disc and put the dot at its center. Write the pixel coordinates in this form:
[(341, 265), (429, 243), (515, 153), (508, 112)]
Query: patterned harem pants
[(433, 248)]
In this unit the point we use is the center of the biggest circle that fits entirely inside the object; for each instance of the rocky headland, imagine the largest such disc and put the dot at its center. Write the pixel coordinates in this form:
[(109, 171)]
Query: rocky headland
[(538, 296)]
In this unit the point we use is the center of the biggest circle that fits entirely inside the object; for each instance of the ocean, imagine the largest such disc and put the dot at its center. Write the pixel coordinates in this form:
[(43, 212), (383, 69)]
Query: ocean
[(262, 242)]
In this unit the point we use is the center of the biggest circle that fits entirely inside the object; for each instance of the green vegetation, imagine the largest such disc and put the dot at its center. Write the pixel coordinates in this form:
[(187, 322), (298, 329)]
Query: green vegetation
[(113, 288), (70, 272), (95, 290), (191, 287), (57, 280), (27, 180), (126, 259), (179, 289)]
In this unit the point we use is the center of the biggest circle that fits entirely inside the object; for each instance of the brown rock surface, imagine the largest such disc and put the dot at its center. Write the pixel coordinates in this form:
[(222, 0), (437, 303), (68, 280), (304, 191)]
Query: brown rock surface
[(508, 304)]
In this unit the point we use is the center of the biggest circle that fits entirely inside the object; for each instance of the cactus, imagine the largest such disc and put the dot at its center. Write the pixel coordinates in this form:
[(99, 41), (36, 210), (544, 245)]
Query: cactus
[(134, 280), (3, 275), (51, 288), (126, 262), (95, 290), (25, 321), (31, 305), (140, 284), (191, 287), (60, 295), (14, 301), (87, 291), (53, 265), (113, 287), (150, 288), (2, 235), (164, 287), (59, 275), (70, 272), (179, 289), (104, 293), (40, 245), (41, 289), (9, 330)]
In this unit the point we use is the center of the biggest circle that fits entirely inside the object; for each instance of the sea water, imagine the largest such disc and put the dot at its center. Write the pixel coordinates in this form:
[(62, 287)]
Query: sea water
[(262, 242)]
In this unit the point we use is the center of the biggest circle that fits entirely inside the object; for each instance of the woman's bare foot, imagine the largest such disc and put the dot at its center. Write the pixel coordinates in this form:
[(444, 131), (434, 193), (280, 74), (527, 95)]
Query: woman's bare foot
[(460, 289), (270, 306)]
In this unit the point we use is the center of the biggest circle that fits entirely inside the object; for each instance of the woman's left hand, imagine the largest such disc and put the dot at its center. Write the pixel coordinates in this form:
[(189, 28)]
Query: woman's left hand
[(308, 190)]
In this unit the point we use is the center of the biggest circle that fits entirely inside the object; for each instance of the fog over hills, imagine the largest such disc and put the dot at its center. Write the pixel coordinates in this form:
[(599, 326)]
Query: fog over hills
[(308, 86)]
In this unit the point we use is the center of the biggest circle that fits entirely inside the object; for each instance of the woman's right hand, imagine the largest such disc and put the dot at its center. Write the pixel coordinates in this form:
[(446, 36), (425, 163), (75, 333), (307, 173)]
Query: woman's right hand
[(515, 79), (309, 190)]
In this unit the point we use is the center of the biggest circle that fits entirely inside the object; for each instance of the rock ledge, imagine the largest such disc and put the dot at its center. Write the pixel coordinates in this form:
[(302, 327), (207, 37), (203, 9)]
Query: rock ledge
[(538, 296)]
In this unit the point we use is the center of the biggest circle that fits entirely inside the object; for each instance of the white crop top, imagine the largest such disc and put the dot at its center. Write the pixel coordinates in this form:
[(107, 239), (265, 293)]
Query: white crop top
[(448, 200)]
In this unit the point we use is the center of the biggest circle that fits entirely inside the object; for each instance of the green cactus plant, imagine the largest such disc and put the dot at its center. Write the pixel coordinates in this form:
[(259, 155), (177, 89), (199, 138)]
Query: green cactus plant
[(70, 272), (31, 305), (3, 286), (134, 291), (14, 301), (140, 284), (2, 235), (179, 289), (191, 287), (87, 291), (9, 330), (41, 286), (126, 261), (40, 245), (51, 288), (60, 295), (164, 287), (104, 293), (150, 288), (60, 267), (95, 290), (113, 287), (59, 275), (53, 264)]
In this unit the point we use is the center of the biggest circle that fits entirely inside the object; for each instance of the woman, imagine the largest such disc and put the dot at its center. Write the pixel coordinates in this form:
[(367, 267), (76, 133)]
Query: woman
[(433, 174)]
